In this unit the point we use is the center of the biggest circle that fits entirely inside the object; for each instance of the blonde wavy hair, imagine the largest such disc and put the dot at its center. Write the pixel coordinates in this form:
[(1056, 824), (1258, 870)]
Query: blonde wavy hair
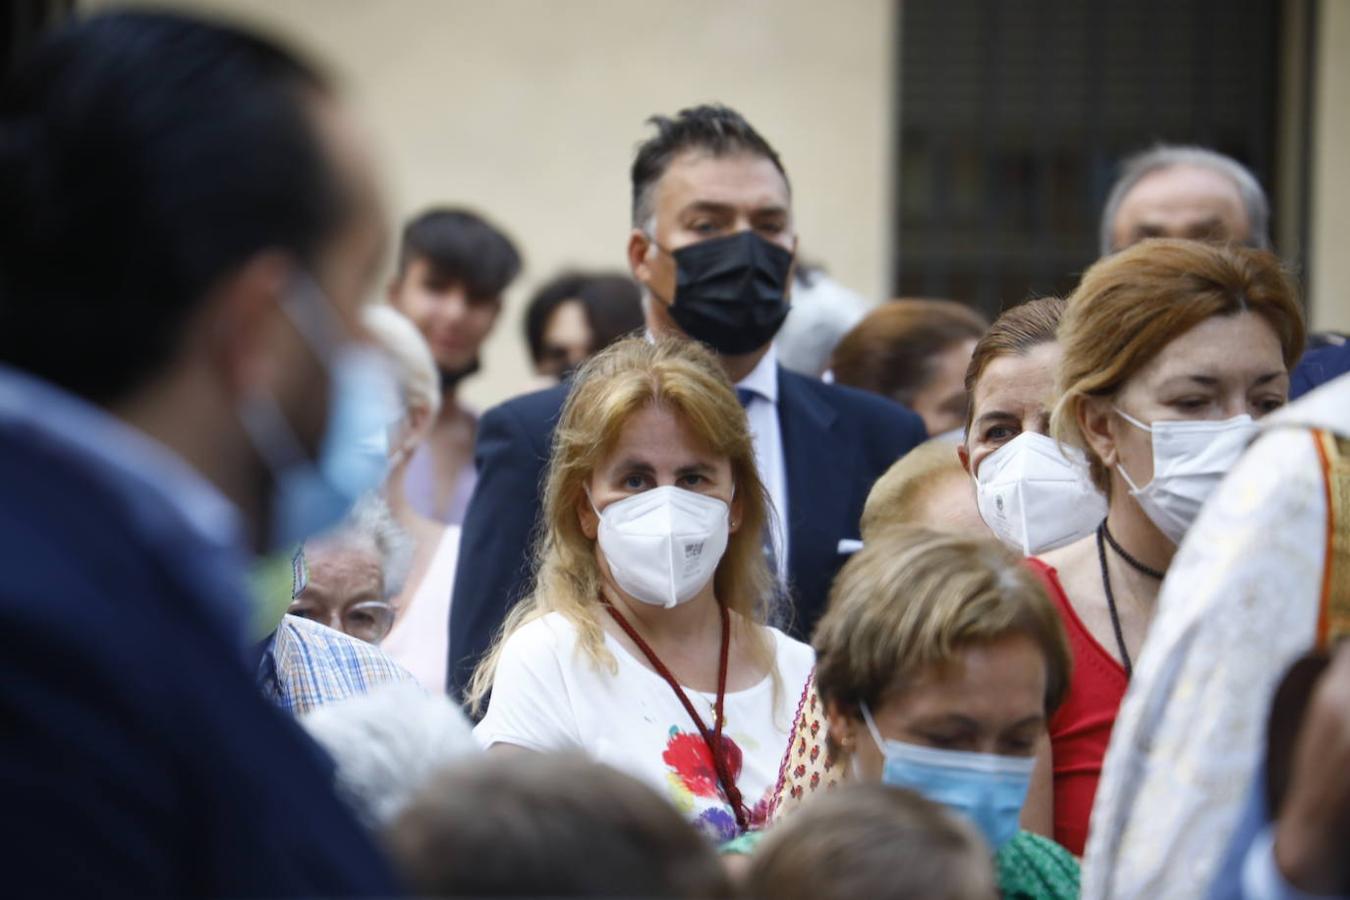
[(1131, 305), (625, 378)]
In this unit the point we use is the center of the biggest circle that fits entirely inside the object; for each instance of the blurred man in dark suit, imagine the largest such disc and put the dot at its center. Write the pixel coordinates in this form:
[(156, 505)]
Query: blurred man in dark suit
[(188, 226)]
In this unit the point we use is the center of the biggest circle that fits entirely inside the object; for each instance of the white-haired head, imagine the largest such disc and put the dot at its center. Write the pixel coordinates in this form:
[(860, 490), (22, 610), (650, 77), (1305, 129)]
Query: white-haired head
[(388, 744), (371, 524), (1167, 156), (418, 379)]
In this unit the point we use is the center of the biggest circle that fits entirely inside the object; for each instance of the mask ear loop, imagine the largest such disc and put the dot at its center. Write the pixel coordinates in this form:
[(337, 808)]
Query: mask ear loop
[(1132, 420), (1134, 488), (872, 728), (651, 239), (591, 501), (271, 435)]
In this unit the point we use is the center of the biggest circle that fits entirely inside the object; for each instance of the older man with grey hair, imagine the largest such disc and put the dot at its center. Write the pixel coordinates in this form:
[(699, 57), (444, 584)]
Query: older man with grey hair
[(1184, 192), (1191, 192)]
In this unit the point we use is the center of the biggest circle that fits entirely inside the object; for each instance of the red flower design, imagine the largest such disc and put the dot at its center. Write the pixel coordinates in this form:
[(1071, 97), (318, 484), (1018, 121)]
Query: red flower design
[(687, 756)]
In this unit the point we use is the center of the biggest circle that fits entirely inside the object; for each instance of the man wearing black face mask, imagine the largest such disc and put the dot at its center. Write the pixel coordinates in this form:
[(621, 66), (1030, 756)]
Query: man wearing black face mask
[(712, 245)]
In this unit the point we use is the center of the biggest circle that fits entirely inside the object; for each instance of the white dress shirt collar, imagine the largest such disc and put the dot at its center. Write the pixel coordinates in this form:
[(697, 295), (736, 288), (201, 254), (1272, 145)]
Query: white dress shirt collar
[(763, 378)]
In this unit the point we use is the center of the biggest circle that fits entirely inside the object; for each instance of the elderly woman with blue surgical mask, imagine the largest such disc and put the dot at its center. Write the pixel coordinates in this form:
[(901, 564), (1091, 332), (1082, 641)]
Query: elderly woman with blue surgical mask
[(939, 663), (1170, 350)]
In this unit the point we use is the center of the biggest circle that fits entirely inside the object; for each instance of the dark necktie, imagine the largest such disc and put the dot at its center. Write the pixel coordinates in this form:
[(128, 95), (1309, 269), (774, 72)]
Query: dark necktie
[(745, 395)]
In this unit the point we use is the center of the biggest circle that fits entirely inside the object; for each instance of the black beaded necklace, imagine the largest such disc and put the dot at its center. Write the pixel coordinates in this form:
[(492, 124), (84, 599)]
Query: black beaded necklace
[(1134, 563), (1103, 538)]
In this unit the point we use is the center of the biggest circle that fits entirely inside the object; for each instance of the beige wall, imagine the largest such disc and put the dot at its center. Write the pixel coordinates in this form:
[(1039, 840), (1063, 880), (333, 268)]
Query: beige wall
[(529, 110), (1328, 280)]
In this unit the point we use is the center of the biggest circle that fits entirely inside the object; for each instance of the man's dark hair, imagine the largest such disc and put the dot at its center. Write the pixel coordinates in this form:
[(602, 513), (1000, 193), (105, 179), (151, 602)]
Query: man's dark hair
[(143, 157), (460, 247), (613, 305), (550, 825), (713, 129)]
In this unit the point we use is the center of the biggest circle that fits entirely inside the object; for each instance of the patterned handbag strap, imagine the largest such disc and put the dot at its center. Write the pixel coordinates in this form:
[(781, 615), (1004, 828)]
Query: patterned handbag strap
[(1333, 621)]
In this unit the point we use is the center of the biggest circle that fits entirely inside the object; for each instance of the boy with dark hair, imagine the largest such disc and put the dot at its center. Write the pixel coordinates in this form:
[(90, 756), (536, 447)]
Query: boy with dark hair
[(454, 266)]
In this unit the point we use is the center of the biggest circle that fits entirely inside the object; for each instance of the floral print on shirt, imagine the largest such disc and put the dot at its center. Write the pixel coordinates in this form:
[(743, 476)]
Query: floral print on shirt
[(692, 775)]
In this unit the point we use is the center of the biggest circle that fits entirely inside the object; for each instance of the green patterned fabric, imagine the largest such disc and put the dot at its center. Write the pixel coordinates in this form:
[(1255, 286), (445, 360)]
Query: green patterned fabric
[(744, 845), (1031, 867)]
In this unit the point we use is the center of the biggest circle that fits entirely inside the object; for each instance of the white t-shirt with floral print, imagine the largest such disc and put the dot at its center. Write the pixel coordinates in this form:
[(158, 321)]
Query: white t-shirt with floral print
[(549, 695)]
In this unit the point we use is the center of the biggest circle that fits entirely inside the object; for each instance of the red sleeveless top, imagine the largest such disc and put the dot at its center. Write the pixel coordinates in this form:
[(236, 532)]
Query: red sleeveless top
[(1081, 729)]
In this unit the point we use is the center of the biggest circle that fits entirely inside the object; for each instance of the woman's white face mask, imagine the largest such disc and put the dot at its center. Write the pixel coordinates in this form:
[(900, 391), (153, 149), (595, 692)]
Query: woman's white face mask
[(663, 545), (1036, 496), (1190, 458)]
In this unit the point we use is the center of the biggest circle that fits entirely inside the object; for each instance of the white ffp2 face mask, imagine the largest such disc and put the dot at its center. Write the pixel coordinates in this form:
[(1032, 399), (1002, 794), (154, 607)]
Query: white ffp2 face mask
[(1190, 458), (1036, 497), (663, 545)]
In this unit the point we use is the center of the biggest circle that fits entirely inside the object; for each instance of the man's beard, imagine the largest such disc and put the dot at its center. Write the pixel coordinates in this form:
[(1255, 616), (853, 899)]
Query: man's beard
[(450, 378)]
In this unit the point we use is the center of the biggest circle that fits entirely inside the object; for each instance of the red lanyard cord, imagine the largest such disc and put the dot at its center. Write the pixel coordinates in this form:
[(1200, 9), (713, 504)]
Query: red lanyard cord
[(713, 739)]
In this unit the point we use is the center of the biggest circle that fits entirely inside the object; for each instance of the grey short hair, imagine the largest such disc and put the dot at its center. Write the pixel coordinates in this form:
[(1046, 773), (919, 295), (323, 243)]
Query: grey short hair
[(371, 522), (388, 744), (1165, 156)]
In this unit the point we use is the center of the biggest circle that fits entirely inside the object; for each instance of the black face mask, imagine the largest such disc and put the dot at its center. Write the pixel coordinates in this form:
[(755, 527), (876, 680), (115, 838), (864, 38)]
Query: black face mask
[(730, 292), (450, 378)]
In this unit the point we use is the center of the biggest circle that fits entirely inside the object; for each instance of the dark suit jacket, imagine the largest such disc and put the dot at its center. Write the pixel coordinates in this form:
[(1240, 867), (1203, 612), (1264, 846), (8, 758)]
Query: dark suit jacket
[(836, 442), (1317, 367), (137, 757)]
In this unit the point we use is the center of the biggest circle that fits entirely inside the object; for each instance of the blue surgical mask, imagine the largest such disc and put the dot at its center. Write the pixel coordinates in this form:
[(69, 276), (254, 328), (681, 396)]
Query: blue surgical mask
[(987, 790), (311, 495)]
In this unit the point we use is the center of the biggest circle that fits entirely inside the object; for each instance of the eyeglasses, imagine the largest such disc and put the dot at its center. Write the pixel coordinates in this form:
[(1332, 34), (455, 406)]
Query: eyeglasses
[(366, 620)]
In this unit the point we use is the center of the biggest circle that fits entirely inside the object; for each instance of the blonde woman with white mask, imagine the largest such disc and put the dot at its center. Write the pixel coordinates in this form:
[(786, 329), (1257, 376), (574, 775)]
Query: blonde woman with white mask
[(1171, 350), (643, 642)]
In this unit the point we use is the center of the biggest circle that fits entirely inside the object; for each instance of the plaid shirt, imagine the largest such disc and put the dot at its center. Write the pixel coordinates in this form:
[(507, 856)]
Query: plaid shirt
[(306, 665)]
